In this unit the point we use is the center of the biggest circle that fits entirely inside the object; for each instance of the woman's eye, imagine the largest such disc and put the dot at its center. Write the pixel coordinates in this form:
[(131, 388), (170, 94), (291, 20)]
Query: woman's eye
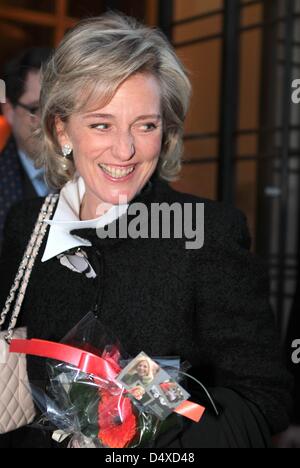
[(100, 126), (149, 127)]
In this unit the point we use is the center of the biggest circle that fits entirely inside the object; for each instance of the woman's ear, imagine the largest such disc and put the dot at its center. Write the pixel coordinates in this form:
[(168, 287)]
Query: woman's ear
[(60, 128)]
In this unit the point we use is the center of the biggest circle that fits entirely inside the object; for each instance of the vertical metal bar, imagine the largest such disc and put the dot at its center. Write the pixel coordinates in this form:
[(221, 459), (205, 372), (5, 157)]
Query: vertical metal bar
[(166, 13), (286, 116), (266, 143), (229, 101)]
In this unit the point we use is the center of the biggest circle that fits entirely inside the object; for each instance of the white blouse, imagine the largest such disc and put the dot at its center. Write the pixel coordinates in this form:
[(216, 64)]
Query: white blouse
[(67, 219)]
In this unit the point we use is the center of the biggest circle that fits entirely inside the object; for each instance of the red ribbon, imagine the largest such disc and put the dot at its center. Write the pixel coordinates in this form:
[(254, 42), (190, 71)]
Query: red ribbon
[(82, 360), (190, 410), (90, 364)]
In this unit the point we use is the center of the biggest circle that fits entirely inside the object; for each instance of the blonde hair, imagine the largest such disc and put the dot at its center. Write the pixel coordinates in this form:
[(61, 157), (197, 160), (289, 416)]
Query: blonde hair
[(152, 367), (92, 61)]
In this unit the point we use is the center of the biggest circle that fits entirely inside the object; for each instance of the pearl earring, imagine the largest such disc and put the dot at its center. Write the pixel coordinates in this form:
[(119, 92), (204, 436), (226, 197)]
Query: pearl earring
[(66, 151)]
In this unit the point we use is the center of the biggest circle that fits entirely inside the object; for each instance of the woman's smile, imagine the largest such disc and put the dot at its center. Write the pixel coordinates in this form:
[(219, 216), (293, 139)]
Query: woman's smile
[(117, 173)]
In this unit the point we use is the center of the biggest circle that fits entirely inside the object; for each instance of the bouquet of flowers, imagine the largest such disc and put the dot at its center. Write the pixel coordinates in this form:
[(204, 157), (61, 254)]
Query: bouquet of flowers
[(99, 397)]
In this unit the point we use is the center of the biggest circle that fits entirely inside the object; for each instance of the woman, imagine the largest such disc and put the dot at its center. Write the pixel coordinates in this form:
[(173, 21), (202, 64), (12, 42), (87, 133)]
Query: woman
[(113, 105), (141, 372)]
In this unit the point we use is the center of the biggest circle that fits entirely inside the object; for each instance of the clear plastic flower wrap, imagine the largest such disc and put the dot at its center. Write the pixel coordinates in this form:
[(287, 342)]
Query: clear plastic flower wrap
[(97, 396), (95, 413)]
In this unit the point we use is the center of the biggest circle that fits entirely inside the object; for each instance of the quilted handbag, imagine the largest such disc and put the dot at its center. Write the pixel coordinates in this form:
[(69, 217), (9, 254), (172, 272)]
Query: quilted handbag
[(16, 405)]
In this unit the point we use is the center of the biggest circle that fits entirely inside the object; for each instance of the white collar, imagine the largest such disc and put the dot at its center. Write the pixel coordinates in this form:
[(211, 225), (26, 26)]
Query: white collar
[(67, 219)]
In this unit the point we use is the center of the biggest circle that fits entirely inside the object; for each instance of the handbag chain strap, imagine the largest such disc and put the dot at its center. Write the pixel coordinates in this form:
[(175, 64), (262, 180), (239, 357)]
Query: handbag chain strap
[(26, 266)]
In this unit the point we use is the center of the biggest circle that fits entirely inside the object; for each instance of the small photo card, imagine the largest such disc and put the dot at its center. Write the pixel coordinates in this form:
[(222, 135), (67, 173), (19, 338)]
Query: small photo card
[(152, 387)]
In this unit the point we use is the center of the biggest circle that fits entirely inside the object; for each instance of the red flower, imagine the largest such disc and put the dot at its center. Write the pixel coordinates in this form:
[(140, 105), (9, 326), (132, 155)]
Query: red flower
[(117, 421)]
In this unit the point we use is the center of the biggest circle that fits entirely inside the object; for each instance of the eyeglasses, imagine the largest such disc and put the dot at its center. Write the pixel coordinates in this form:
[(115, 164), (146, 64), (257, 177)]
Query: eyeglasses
[(33, 110)]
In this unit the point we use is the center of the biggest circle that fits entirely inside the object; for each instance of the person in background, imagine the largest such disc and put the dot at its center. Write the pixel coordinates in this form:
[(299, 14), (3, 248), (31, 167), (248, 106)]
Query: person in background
[(19, 179)]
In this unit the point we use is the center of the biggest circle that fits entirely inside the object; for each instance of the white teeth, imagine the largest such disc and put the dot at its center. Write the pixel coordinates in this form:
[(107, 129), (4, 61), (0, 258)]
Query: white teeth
[(116, 173)]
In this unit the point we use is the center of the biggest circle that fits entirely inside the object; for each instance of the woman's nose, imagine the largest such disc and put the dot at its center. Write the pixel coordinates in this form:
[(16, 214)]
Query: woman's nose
[(124, 148)]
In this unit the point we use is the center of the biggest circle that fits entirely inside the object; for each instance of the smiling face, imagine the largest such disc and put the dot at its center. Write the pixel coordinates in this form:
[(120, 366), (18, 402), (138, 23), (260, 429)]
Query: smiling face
[(142, 369), (117, 147)]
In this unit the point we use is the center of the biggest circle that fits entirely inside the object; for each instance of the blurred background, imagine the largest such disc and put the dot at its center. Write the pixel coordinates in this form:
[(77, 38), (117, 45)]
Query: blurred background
[(242, 138)]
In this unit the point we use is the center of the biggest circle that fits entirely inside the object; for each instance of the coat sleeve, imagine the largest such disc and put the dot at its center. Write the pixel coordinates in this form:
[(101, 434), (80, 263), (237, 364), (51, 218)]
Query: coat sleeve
[(17, 232), (237, 333), (11, 256)]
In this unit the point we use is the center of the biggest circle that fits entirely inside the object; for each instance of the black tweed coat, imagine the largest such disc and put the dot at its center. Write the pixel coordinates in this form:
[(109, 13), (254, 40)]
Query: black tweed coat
[(209, 306)]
